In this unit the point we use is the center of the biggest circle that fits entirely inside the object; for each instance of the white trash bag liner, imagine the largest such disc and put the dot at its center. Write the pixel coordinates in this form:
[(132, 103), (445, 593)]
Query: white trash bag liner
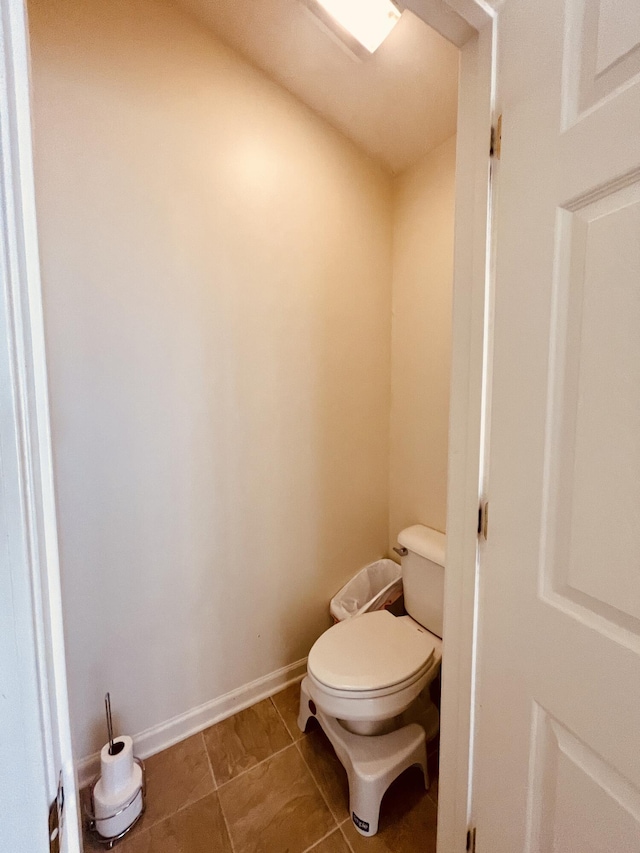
[(375, 587)]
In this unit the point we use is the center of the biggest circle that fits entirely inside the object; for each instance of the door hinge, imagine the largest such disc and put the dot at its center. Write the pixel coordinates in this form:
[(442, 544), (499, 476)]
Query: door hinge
[(496, 139), (483, 519), (55, 819), (471, 840)]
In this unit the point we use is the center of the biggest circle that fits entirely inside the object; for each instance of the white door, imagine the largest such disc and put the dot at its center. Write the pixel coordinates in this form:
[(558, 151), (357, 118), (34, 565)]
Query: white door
[(558, 748), (36, 760)]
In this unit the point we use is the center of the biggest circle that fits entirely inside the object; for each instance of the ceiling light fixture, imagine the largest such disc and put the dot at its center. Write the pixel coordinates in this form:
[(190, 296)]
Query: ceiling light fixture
[(368, 21)]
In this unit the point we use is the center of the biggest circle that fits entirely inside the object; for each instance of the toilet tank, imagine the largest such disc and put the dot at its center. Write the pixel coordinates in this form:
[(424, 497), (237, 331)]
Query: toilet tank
[(423, 575)]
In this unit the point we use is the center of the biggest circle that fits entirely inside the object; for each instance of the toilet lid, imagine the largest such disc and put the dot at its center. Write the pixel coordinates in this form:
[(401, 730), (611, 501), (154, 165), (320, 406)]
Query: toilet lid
[(370, 652)]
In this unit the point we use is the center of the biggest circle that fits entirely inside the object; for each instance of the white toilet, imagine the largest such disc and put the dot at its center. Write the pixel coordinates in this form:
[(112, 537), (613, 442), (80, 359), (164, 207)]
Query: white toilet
[(368, 678)]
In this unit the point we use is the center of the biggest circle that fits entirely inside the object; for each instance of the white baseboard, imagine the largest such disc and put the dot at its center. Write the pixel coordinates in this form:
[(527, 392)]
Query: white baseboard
[(172, 731)]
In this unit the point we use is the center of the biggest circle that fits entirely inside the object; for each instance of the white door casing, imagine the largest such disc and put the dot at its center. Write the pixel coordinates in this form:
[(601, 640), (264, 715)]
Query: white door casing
[(558, 743), (475, 102), (35, 746)]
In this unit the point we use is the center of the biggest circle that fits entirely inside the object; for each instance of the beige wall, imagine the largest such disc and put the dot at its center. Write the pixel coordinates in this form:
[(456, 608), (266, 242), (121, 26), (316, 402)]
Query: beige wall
[(421, 341), (216, 273)]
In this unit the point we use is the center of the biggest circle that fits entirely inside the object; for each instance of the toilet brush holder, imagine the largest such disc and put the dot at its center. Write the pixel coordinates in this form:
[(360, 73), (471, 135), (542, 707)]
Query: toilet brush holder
[(117, 795)]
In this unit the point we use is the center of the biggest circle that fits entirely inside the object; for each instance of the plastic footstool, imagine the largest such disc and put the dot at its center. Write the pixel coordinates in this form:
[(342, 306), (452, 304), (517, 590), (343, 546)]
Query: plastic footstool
[(372, 763)]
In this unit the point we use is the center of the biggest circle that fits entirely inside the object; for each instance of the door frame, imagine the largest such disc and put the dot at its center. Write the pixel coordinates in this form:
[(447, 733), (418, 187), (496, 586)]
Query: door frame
[(34, 526), (468, 422), (34, 666)]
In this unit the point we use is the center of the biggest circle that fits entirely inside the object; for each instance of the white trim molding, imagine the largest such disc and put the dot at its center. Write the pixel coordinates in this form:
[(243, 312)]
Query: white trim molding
[(177, 729), (35, 692), (471, 346)]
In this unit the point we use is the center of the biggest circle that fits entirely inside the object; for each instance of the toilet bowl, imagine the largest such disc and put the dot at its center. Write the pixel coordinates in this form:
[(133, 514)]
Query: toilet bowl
[(367, 671)]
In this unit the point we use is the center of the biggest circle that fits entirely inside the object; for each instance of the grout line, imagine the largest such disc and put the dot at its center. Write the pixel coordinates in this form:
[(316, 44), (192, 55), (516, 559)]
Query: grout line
[(226, 826), (253, 766), (224, 817), (320, 840), (146, 827), (336, 828), (284, 722), (206, 752), (344, 834), (311, 773)]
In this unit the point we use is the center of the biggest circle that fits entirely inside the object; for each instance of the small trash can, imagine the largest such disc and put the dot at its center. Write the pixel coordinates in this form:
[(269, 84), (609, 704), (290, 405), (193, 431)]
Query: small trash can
[(376, 587)]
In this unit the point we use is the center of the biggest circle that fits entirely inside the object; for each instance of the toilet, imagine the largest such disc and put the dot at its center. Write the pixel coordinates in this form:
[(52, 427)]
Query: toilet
[(368, 680)]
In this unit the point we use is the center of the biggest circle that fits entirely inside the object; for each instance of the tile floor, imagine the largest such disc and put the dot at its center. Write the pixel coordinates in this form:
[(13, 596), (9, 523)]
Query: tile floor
[(255, 784)]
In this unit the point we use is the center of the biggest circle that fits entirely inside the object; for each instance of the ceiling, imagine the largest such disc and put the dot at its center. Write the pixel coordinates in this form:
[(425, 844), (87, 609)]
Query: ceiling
[(396, 104)]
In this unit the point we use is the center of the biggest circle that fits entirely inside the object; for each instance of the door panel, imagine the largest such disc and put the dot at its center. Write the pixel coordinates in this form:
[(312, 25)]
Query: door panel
[(559, 625), (577, 803), (594, 492), (602, 52), (618, 33)]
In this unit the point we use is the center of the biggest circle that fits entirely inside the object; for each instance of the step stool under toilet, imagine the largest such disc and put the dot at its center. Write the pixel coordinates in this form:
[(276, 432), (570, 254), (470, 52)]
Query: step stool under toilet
[(372, 763)]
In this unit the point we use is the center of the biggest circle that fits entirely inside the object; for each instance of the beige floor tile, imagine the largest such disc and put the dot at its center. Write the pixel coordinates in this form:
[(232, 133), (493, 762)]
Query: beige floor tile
[(328, 772), (275, 807), (334, 843), (244, 740), (198, 828), (287, 702), (407, 820), (176, 777)]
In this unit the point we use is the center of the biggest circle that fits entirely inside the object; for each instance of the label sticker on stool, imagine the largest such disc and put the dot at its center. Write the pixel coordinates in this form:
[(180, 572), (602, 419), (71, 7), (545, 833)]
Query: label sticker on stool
[(361, 824)]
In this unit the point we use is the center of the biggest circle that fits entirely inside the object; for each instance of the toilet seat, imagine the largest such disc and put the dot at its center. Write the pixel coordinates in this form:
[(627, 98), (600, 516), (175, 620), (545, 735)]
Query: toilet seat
[(372, 655), (368, 670)]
